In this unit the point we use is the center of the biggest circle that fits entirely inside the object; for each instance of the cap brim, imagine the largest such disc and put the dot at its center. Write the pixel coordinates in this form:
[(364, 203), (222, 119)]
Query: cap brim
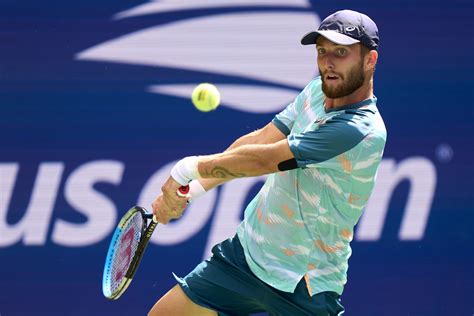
[(333, 36)]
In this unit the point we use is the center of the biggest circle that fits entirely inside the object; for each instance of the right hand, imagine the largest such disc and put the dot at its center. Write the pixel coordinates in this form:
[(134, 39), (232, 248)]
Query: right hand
[(169, 205)]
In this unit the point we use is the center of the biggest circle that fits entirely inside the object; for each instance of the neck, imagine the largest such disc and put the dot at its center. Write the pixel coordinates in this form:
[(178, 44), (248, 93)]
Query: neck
[(365, 92)]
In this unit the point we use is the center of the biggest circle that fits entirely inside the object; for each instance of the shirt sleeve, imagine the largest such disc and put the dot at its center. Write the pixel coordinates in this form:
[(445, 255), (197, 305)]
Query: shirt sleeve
[(336, 136), (285, 119)]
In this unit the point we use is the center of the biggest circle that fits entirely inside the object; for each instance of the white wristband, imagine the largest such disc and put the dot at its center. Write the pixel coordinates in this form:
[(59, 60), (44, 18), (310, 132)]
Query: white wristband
[(185, 170), (195, 190)]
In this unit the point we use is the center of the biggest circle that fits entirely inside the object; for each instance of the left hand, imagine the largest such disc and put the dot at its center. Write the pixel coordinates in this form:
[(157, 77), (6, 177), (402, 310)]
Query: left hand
[(169, 205)]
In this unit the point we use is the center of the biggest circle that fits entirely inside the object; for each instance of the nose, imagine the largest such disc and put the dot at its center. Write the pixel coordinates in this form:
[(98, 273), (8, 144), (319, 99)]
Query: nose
[(328, 62)]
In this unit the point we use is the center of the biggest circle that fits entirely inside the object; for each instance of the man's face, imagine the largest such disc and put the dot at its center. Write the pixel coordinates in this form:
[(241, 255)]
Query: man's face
[(341, 68)]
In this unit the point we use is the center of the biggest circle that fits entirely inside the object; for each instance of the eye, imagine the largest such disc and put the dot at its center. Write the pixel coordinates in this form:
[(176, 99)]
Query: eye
[(321, 51), (342, 51)]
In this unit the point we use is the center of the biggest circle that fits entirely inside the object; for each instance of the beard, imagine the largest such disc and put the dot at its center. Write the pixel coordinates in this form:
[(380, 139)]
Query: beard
[(352, 81)]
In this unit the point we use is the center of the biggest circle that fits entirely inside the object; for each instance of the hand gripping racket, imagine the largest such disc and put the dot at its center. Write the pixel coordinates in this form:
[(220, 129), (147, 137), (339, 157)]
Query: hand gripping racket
[(127, 247)]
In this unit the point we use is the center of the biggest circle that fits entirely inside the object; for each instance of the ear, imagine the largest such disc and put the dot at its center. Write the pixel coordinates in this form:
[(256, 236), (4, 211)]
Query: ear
[(371, 60)]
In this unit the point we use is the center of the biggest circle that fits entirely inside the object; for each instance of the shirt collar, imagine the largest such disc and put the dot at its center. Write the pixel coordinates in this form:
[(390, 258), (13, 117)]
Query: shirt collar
[(369, 101)]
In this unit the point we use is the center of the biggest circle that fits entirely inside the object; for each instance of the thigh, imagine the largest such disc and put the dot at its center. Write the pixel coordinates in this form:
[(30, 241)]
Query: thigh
[(175, 302)]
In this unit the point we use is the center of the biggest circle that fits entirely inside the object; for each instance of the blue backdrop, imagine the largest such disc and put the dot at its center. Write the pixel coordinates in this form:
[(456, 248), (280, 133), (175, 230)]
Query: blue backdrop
[(94, 110)]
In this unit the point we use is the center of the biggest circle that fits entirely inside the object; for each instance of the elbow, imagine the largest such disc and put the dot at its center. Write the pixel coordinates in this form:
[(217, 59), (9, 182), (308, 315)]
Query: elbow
[(267, 166)]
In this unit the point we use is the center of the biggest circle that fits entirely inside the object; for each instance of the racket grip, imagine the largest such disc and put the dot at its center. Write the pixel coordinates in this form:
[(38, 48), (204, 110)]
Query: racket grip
[(183, 191)]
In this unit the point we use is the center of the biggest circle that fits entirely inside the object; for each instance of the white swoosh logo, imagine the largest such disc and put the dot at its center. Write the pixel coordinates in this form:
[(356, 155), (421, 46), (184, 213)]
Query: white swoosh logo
[(173, 5), (262, 46)]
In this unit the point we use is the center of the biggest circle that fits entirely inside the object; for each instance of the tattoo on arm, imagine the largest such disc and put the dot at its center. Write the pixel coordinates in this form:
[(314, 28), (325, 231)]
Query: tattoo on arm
[(222, 173)]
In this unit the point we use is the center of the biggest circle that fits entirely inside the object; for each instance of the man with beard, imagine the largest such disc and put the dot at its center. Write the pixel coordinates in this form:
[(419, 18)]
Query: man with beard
[(290, 254)]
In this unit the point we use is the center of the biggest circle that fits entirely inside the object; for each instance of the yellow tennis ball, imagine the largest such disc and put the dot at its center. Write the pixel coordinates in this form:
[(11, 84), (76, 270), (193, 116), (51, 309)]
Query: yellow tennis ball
[(206, 97)]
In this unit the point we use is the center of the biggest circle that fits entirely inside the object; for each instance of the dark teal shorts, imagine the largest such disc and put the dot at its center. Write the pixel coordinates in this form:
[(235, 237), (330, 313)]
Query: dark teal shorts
[(224, 283)]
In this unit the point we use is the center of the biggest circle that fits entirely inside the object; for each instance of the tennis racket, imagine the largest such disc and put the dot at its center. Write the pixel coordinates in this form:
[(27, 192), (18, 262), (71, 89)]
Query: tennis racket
[(127, 247)]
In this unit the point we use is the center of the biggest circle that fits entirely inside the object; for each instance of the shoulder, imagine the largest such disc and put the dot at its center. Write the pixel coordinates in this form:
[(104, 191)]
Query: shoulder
[(314, 84)]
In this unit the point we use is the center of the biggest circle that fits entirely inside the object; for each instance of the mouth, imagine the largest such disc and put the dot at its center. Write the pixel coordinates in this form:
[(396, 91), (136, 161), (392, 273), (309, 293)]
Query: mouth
[(331, 77)]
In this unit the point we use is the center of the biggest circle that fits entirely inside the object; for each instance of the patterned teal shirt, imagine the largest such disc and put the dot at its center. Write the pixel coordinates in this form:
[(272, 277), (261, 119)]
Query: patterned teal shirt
[(301, 222)]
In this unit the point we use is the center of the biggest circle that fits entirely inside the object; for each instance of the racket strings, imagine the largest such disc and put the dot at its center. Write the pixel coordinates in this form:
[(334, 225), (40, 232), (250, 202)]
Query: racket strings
[(125, 249)]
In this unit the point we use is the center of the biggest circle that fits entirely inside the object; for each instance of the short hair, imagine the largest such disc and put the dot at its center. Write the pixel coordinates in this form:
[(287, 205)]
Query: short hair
[(364, 50)]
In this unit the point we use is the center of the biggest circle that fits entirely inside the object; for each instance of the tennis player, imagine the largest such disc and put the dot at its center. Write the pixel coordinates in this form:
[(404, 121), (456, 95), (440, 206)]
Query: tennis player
[(290, 253)]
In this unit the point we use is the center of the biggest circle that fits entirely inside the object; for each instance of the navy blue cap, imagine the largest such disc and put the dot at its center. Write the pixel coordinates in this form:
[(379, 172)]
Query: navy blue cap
[(346, 27)]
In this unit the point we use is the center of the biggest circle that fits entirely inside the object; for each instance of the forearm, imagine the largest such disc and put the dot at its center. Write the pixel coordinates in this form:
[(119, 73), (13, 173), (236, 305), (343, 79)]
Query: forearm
[(210, 183), (267, 135), (243, 161), (202, 173), (250, 139)]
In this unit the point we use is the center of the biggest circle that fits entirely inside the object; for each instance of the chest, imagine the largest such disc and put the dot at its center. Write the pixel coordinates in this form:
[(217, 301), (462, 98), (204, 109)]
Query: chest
[(311, 116)]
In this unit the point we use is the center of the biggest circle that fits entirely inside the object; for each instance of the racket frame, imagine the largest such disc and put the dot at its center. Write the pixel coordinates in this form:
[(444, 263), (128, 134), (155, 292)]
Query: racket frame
[(146, 232)]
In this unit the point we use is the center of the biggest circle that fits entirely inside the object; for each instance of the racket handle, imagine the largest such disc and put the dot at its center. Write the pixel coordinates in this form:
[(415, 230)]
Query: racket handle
[(183, 191)]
